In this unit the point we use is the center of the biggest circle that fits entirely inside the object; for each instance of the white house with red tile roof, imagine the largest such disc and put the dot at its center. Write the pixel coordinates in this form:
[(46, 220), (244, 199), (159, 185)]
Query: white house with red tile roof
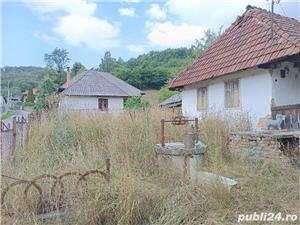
[(253, 65)]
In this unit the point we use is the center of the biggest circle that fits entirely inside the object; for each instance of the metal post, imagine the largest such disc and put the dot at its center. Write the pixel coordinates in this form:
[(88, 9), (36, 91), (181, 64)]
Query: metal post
[(162, 134)]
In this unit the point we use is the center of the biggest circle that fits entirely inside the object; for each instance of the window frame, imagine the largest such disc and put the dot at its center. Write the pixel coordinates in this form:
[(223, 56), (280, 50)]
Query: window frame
[(231, 87), (204, 99), (103, 104)]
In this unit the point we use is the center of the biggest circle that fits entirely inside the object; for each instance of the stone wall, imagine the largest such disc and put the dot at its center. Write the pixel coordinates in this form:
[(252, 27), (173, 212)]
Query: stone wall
[(258, 145)]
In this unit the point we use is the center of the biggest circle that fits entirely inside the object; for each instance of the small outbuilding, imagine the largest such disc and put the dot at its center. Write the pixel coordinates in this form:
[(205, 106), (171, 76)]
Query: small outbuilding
[(172, 102), (96, 91)]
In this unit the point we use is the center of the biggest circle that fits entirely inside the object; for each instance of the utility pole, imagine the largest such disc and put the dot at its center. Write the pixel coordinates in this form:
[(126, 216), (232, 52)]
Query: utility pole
[(272, 15), (8, 93)]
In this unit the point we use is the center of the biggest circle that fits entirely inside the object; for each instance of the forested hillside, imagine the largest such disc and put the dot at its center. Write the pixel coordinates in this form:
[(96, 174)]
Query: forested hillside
[(154, 69), (20, 78), (148, 71)]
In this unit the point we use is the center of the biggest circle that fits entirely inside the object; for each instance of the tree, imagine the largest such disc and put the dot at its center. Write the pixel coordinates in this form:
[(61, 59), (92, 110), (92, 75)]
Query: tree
[(57, 60), (165, 93), (30, 97), (56, 63), (152, 78), (77, 68), (209, 37), (46, 87), (107, 63)]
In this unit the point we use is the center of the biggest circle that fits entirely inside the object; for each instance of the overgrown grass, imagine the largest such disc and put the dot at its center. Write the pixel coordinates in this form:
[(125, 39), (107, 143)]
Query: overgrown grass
[(6, 115), (141, 192)]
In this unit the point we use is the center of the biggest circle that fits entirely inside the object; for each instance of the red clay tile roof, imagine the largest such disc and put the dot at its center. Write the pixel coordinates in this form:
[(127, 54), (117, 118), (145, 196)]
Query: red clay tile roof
[(34, 91), (248, 42)]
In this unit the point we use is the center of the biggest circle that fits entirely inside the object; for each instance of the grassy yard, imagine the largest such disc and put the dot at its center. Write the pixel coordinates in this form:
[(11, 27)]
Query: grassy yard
[(140, 191)]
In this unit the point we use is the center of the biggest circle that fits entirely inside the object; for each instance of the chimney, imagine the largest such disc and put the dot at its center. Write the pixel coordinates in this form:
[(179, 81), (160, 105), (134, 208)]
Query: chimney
[(69, 82)]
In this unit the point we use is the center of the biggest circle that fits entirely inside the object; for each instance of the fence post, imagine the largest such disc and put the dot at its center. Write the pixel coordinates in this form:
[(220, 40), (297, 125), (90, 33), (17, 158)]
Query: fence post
[(14, 134), (162, 134), (107, 168), (197, 129)]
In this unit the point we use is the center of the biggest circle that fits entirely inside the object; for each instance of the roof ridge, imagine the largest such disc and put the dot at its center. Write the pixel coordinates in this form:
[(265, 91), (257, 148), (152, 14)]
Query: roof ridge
[(250, 7), (265, 18)]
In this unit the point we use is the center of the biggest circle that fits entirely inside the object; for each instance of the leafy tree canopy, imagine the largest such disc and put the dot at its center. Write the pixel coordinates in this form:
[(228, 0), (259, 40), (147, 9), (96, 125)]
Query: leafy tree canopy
[(45, 88), (77, 68), (154, 69), (30, 97), (165, 93), (107, 63), (57, 60)]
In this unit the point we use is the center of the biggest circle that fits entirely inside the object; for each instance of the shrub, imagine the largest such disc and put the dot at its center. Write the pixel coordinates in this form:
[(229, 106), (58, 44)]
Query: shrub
[(47, 87), (30, 97), (6, 115), (165, 93), (136, 102)]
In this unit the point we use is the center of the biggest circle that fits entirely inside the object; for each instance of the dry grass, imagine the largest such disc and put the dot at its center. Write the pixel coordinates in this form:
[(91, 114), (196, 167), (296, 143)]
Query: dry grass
[(152, 97), (139, 191)]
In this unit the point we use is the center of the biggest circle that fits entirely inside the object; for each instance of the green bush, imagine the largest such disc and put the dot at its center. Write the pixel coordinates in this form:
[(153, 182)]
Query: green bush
[(6, 115), (165, 93), (47, 87), (30, 97), (136, 102), (30, 104)]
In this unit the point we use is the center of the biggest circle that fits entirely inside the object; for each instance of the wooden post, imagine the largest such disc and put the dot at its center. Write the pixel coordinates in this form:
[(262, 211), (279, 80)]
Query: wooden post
[(197, 130), (107, 168), (185, 166), (162, 134), (14, 130)]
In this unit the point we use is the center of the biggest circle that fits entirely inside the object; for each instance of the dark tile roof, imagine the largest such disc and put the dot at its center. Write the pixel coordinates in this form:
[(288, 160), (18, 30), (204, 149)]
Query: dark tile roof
[(173, 101), (94, 83), (248, 42)]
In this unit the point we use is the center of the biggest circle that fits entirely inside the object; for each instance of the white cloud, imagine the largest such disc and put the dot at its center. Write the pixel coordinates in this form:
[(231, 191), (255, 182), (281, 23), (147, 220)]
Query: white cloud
[(77, 25), (127, 11), (89, 31), (45, 37), (131, 1), (156, 12), (136, 48), (213, 12), (78, 7), (167, 34)]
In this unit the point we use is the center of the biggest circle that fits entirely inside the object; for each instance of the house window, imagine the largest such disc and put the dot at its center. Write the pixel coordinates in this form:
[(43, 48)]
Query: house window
[(103, 104), (232, 94), (202, 99)]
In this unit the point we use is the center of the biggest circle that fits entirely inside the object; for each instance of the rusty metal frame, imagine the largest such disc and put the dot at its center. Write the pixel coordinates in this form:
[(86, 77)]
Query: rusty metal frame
[(58, 203), (177, 120)]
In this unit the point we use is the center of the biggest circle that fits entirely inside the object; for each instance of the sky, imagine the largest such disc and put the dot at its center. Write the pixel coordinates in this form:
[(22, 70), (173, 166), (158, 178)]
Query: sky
[(126, 28)]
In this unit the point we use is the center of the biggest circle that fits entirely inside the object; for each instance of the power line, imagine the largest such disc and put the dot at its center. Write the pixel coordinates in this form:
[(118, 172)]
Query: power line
[(282, 9)]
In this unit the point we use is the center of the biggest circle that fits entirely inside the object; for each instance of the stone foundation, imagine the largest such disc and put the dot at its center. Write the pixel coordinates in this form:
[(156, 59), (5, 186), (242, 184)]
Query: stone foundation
[(262, 145)]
